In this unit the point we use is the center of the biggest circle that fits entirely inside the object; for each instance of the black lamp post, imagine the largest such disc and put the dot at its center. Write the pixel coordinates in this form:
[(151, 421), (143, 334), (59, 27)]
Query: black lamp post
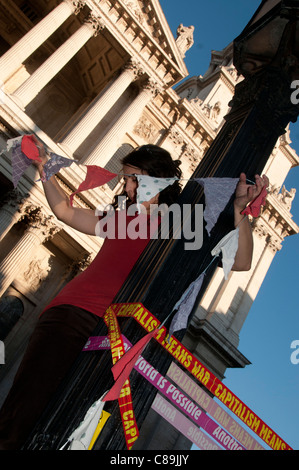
[(266, 53)]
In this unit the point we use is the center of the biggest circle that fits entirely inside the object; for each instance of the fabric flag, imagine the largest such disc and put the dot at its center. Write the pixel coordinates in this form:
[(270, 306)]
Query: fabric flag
[(218, 191), (254, 208), (150, 186), (29, 148), (95, 176), (123, 367), (19, 163), (82, 435), (185, 305), (11, 143), (228, 245), (54, 165)]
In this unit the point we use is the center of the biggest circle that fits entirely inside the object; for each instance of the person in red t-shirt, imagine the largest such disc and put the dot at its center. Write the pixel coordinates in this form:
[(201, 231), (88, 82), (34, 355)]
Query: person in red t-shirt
[(65, 325)]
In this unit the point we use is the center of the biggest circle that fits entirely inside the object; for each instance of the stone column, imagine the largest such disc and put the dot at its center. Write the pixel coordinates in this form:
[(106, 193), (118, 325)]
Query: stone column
[(11, 211), (100, 107), (20, 51), (39, 79), (108, 145), (272, 244), (40, 228)]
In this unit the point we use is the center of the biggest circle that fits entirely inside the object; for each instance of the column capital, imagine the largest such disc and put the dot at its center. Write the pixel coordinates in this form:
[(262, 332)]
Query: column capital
[(79, 264), (13, 199), (152, 86), (96, 23), (16, 202), (77, 5), (134, 66), (42, 225)]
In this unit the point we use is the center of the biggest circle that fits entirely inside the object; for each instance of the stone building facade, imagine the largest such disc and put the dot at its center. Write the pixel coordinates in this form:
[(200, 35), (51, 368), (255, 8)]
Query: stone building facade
[(94, 79)]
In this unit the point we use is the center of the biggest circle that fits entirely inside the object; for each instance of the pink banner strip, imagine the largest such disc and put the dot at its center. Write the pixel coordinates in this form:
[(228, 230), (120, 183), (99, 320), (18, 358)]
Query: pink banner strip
[(169, 390), (186, 405), (205, 401), (173, 416)]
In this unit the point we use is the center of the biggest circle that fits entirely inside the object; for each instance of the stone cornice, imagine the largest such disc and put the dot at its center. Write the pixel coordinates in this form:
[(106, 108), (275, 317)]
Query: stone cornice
[(219, 73), (277, 212), (274, 224), (187, 139), (290, 154), (198, 119), (122, 23), (168, 34), (206, 334), (186, 111)]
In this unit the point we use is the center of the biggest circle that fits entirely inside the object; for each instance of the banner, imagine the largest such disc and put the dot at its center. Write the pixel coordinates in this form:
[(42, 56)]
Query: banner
[(183, 424), (205, 401), (125, 399), (186, 405), (173, 394), (178, 351)]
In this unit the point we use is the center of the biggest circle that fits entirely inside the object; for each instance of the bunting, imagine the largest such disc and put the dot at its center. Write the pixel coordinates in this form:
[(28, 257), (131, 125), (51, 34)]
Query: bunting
[(11, 143), (150, 186), (218, 192), (228, 245), (123, 367), (254, 207), (185, 305), (81, 437), (19, 163), (95, 176), (29, 148), (54, 165)]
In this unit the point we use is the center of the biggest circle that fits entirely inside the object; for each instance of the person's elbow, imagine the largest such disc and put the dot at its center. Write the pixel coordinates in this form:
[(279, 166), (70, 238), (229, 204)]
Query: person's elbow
[(63, 212), (242, 266)]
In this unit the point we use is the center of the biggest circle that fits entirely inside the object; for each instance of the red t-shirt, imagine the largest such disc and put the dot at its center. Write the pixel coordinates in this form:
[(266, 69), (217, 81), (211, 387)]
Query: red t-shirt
[(95, 288)]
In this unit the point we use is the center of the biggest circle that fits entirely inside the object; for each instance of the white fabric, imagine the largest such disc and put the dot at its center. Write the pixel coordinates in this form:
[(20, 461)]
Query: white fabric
[(228, 245), (13, 142), (150, 186), (81, 437), (185, 305), (218, 192)]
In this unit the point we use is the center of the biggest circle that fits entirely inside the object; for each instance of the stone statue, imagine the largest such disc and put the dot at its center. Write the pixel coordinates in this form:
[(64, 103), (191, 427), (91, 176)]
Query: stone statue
[(287, 197), (216, 110), (184, 38)]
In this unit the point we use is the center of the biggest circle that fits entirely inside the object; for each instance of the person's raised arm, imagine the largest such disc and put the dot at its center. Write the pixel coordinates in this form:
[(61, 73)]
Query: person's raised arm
[(83, 220), (245, 193)]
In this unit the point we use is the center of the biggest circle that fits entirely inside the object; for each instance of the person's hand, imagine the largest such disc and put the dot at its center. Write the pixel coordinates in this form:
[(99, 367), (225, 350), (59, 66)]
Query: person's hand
[(245, 193), (42, 155)]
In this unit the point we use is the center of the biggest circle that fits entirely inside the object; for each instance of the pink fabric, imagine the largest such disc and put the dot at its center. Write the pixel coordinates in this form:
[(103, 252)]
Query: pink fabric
[(123, 367), (29, 148), (254, 208), (95, 176)]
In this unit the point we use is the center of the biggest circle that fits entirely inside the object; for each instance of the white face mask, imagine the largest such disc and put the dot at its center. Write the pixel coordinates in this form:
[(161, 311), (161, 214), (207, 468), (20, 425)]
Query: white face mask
[(150, 186)]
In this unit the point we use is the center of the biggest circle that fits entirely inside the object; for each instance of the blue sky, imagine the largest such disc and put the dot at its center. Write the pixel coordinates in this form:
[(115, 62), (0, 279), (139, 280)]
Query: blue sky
[(270, 385)]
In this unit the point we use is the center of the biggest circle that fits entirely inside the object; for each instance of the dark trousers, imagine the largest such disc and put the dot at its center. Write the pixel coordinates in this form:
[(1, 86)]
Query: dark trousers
[(57, 340)]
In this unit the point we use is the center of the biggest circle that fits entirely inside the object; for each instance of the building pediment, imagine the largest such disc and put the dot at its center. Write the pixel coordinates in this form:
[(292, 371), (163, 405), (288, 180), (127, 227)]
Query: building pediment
[(154, 20), (144, 26)]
